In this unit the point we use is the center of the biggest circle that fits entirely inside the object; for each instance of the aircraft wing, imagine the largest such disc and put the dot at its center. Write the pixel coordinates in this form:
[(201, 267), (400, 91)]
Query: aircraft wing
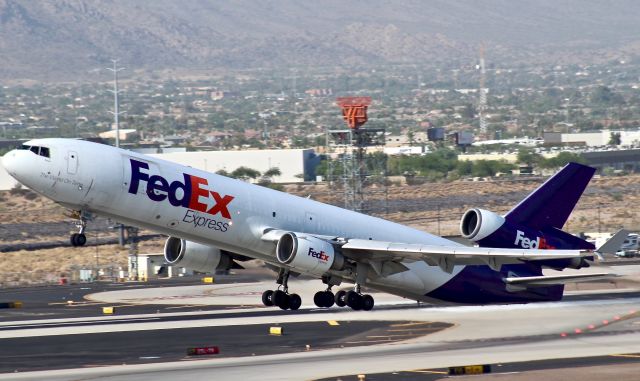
[(446, 257)]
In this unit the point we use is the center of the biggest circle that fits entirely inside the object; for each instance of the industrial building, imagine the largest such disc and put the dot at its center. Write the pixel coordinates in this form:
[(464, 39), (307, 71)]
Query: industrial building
[(593, 139), (295, 165)]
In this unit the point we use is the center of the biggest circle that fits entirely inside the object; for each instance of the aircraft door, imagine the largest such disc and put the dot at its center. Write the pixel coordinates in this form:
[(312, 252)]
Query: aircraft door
[(72, 162)]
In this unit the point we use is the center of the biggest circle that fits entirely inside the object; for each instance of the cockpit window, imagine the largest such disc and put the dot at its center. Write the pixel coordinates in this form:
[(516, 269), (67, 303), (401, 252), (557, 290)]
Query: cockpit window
[(41, 151)]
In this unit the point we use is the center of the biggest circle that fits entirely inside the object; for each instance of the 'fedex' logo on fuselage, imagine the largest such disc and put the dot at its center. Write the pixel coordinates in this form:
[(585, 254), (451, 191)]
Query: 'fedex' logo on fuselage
[(321, 255), (527, 243), (194, 191)]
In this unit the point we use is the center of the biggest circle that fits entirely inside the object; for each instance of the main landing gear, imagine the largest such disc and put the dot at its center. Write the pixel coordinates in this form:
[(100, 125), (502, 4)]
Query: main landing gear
[(79, 239), (354, 299), (281, 297)]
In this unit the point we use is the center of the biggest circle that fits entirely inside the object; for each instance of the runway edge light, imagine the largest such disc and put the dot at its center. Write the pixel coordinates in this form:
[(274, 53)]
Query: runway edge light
[(469, 369), (108, 310), (11, 305), (198, 351)]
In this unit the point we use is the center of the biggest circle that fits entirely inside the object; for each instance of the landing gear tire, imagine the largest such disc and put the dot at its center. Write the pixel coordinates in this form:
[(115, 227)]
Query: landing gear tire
[(328, 299), (294, 301), (340, 298), (354, 300), (267, 298), (323, 299), (284, 303), (78, 239), (367, 302), (280, 298)]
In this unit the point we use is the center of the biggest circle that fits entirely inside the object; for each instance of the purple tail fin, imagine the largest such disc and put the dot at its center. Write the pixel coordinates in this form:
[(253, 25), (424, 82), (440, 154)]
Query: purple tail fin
[(550, 204)]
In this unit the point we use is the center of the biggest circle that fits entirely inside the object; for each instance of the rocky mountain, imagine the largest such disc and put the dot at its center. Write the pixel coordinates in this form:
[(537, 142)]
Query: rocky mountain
[(67, 39)]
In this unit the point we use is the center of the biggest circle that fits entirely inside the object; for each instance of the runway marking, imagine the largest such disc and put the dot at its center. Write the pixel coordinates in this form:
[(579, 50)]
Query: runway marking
[(91, 322), (405, 335), (414, 329), (74, 303), (333, 322), (368, 341), (410, 324), (428, 371), (184, 306), (626, 355)]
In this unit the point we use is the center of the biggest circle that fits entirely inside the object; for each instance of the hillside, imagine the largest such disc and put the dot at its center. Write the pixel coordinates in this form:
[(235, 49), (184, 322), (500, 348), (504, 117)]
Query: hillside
[(65, 39)]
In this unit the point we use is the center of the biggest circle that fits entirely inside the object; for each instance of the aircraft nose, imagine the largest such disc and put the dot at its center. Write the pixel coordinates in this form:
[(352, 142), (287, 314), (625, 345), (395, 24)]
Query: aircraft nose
[(16, 165), (8, 161)]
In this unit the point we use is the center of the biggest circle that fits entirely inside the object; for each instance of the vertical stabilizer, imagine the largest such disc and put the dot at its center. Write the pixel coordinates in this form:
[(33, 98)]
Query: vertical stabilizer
[(550, 204)]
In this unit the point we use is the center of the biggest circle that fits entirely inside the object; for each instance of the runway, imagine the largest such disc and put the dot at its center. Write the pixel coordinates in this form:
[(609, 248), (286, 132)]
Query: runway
[(398, 336)]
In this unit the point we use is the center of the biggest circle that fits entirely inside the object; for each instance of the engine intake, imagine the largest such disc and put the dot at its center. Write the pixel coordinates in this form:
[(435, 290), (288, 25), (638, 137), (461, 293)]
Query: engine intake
[(195, 256), (308, 254), (477, 224)]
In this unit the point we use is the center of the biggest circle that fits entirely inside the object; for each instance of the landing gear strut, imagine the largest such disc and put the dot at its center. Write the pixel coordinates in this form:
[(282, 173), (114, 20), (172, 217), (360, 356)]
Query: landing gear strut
[(281, 297), (355, 299), (79, 239)]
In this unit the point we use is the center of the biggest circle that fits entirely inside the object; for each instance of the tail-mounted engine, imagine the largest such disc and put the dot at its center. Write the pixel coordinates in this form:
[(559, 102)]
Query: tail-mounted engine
[(477, 224), (195, 256), (308, 254)]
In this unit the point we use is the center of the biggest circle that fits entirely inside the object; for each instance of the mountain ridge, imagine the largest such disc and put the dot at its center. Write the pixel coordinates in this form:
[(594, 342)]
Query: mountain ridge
[(66, 39)]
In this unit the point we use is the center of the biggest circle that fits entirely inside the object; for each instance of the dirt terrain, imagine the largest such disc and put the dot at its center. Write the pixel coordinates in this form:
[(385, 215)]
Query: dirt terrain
[(29, 221)]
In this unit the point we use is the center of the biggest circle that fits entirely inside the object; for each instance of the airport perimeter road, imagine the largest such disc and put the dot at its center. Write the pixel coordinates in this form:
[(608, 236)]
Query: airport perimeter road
[(489, 334)]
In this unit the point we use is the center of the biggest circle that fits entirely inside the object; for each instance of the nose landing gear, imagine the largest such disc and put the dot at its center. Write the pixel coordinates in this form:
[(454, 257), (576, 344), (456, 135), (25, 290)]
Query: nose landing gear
[(79, 239)]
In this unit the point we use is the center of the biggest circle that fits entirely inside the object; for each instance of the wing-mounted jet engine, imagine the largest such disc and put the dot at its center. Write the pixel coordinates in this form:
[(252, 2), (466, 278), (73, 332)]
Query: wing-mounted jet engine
[(195, 256)]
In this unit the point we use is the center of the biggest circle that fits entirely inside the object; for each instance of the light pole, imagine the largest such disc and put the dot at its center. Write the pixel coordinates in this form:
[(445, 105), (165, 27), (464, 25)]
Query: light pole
[(116, 119), (116, 107)]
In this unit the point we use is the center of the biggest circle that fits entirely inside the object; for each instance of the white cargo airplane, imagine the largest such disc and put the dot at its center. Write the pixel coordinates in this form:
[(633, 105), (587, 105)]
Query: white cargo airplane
[(212, 220)]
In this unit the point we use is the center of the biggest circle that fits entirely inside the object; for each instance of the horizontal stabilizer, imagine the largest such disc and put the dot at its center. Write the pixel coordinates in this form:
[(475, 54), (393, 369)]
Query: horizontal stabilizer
[(547, 280), (613, 244)]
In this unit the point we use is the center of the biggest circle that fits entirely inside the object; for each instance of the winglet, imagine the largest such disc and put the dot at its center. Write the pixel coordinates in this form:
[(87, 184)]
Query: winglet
[(613, 244)]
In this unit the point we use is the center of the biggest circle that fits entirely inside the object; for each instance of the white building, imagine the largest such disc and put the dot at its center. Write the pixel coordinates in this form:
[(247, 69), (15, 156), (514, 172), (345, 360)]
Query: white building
[(296, 165), (594, 139)]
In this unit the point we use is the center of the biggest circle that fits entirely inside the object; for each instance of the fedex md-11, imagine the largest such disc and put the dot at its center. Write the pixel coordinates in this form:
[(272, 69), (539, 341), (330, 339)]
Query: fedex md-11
[(213, 221)]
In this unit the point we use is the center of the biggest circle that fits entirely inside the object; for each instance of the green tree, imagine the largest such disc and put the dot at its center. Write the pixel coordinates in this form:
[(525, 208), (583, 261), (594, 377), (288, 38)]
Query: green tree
[(614, 139), (244, 173), (529, 157), (562, 159)]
